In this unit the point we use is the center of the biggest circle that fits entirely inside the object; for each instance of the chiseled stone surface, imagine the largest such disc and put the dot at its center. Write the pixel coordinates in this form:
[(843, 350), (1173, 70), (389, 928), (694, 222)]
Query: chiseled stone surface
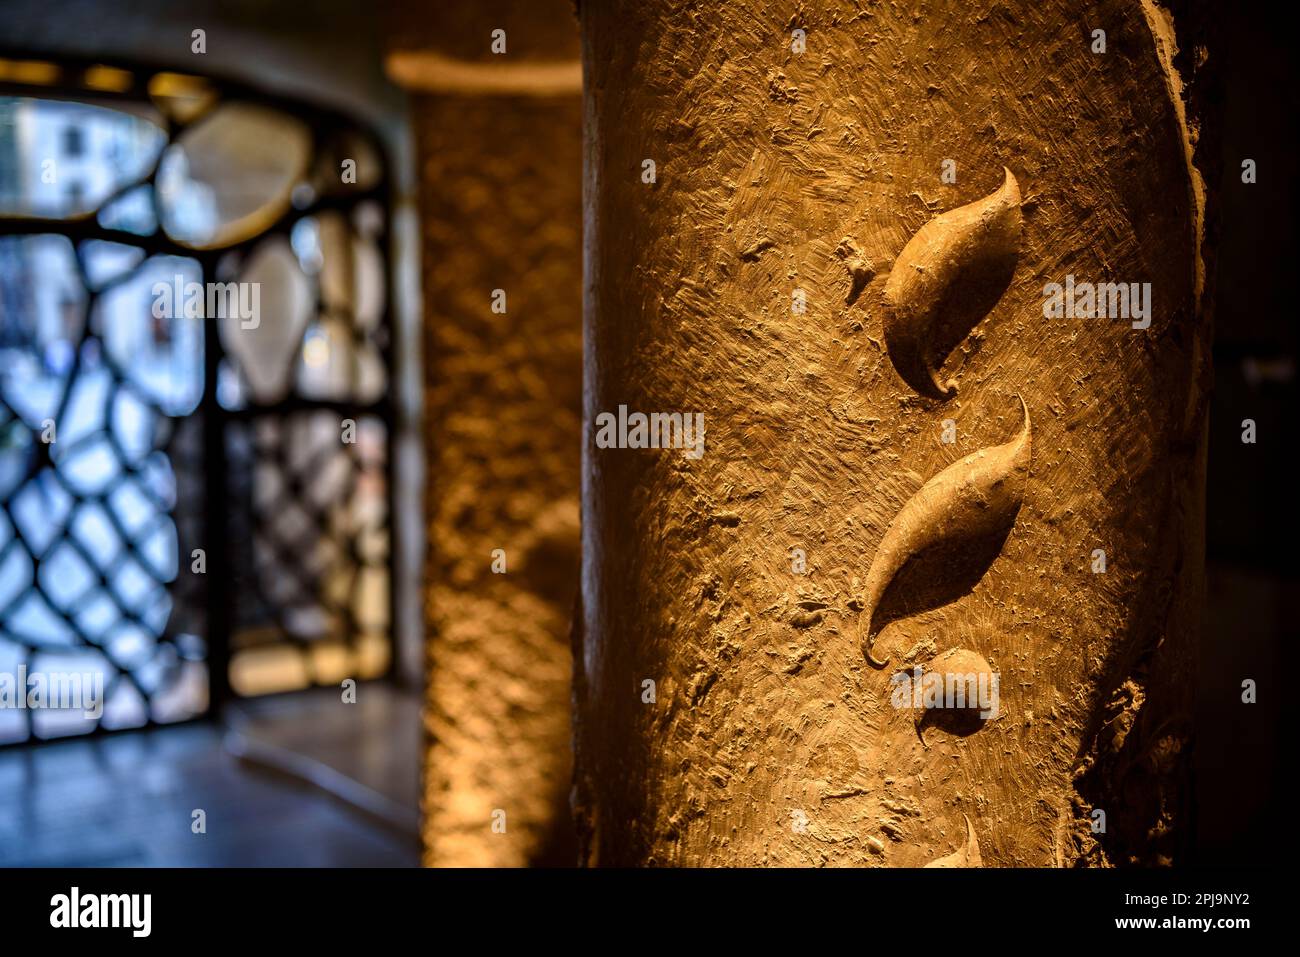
[(500, 204), (771, 739)]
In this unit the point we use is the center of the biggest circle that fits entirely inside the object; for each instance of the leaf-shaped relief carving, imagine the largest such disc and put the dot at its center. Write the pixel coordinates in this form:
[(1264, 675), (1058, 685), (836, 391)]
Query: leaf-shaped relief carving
[(947, 278), (967, 856), (960, 517)]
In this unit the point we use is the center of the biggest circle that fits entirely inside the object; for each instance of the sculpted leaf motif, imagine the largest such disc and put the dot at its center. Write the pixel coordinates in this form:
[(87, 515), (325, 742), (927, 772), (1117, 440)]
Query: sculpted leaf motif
[(946, 279), (972, 500)]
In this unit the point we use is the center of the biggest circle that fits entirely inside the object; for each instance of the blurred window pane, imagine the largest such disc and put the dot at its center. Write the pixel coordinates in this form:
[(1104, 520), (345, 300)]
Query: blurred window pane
[(114, 306)]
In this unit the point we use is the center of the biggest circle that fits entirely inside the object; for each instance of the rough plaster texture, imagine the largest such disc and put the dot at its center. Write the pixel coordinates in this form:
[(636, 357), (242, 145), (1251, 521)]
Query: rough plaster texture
[(500, 208), (779, 172)]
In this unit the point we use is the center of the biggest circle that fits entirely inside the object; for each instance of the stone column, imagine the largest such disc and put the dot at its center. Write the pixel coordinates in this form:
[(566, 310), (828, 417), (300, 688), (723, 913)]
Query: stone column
[(834, 231), (497, 139)]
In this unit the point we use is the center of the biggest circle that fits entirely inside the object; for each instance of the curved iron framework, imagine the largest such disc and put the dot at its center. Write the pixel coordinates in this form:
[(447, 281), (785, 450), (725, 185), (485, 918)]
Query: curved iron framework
[(294, 585)]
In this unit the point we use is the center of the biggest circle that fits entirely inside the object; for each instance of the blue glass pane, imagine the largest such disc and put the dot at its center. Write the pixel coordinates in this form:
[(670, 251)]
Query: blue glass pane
[(42, 314), (105, 261), (67, 175), (158, 350), (132, 212)]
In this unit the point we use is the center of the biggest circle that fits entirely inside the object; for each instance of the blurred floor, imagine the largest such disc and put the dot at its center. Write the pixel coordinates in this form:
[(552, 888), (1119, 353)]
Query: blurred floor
[(367, 753), (127, 799)]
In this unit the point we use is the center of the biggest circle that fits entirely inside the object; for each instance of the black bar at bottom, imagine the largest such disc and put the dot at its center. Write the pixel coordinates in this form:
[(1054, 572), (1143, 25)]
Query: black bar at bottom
[(975, 910)]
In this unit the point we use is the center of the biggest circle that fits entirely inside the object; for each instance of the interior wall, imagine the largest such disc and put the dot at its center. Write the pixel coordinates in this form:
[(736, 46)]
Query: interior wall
[(1252, 566)]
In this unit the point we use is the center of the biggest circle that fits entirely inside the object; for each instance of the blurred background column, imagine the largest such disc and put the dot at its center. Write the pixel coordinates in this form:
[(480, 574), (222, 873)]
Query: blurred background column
[(496, 114)]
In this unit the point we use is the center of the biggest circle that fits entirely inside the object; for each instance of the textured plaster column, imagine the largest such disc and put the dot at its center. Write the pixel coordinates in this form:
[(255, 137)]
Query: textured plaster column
[(772, 278), (498, 138)]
